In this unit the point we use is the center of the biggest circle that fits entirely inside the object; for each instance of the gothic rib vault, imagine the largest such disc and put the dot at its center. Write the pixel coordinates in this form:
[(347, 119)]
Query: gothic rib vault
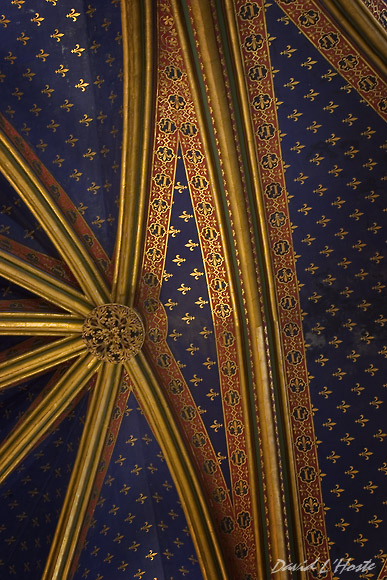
[(192, 261)]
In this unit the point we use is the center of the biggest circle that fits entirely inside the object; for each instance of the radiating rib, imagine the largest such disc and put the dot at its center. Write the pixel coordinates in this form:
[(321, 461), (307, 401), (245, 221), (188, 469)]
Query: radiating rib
[(42, 284), (49, 216), (137, 123), (39, 360), (39, 323), (39, 420), (163, 424), (82, 479)]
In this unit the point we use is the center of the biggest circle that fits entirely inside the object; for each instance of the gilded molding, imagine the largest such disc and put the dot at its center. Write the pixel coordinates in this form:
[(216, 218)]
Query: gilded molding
[(80, 487), (37, 422), (137, 39), (46, 212), (163, 424), (39, 323), (39, 360), (362, 28), (42, 284), (248, 133), (241, 230)]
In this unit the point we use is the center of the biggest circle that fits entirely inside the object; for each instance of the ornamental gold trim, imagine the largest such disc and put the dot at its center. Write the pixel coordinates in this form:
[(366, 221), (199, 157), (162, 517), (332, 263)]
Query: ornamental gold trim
[(113, 333)]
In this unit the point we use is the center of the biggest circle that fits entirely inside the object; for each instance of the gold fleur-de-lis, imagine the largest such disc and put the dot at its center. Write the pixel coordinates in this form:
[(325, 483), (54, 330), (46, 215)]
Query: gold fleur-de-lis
[(288, 51), (196, 274), (53, 126), (291, 84), (343, 406), (356, 506), (330, 107), (62, 70), (329, 75), (188, 318), (305, 209), (17, 93), (47, 91), (73, 15), (351, 472), (42, 55), (335, 342), (361, 420), (77, 50), (37, 19), (339, 374), (57, 35), (311, 95), (192, 349), (297, 147), (349, 120), (89, 154), (368, 133), (325, 392), (309, 63), (366, 454), (185, 216), (329, 424), (201, 302), (81, 85), (314, 127), (196, 380), (23, 38), (75, 174), (216, 426), (212, 394), (361, 540), (347, 439), (337, 490), (295, 115), (342, 524), (4, 21), (85, 120), (71, 140), (184, 289), (333, 457)]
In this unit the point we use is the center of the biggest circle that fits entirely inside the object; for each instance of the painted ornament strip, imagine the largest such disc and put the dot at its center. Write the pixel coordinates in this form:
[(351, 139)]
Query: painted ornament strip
[(254, 41)]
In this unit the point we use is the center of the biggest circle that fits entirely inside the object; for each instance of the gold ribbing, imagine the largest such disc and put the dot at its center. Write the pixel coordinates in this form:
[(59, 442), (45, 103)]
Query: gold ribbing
[(39, 323), (163, 424), (135, 150), (54, 224), (40, 419), (81, 482), (38, 282), (39, 360)]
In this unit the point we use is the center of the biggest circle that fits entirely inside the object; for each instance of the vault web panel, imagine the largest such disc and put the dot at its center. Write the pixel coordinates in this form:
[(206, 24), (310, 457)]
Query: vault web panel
[(138, 525), (334, 152), (190, 326), (61, 74), (32, 497)]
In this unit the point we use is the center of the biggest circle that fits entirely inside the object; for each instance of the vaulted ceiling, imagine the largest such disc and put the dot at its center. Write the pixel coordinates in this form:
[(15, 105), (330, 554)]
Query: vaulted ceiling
[(219, 168)]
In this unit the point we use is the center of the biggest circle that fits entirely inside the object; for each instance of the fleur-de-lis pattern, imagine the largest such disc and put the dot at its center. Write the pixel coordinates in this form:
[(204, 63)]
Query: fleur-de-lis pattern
[(59, 56), (316, 109)]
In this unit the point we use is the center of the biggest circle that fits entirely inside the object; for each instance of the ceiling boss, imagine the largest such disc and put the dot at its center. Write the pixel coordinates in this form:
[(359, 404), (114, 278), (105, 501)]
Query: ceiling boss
[(113, 332)]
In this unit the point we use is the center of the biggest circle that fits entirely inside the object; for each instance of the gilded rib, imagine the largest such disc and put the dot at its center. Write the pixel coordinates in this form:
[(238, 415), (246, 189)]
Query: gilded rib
[(201, 13), (163, 424), (138, 85), (42, 284), (39, 420), (54, 224), (39, 323), (82, 478), (39, 360)]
